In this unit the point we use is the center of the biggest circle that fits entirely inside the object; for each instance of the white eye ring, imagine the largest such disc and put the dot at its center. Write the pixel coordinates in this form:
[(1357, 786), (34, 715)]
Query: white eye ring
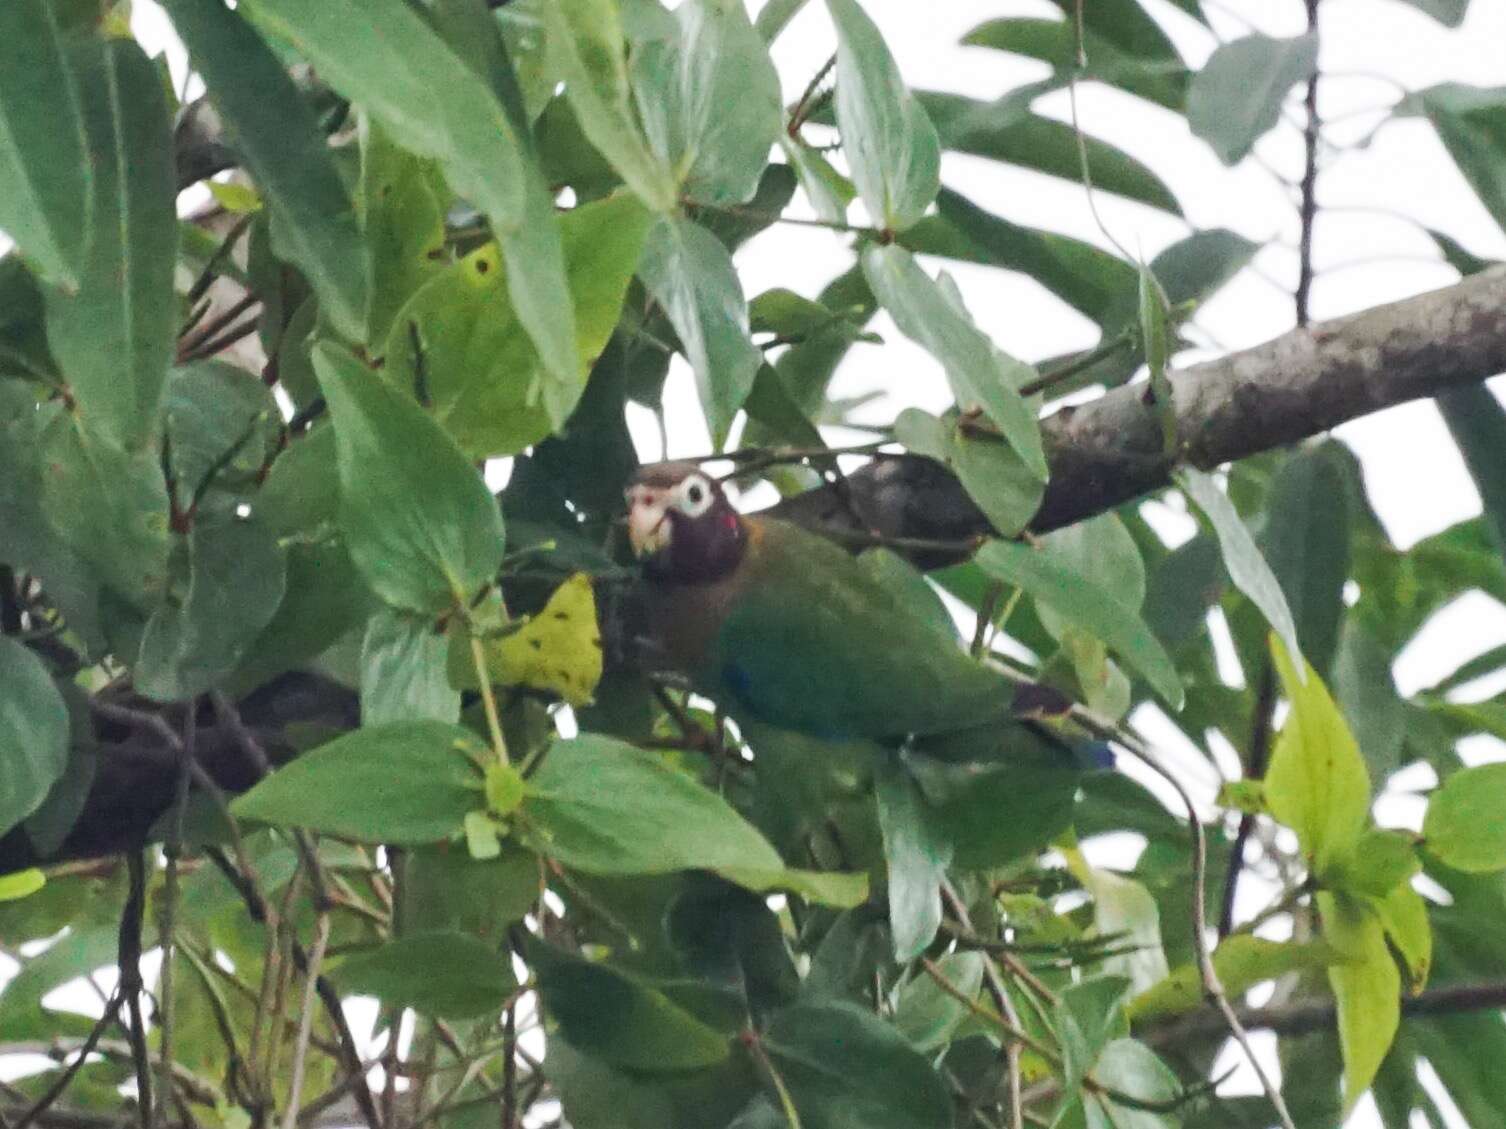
[(695, 496)]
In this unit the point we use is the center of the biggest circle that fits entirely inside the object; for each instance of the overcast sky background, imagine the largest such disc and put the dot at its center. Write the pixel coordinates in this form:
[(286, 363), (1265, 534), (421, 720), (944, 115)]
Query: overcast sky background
[(1370, 50)]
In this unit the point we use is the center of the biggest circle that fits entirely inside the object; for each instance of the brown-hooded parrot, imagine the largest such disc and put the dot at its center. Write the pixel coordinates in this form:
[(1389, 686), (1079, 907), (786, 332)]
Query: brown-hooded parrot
[(783, 627)]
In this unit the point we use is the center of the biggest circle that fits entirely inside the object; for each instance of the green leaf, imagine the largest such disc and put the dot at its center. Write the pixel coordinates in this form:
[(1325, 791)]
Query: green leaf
[(46, 191), (889, 141), (235, 579), (108, 505), (382, 54), (222, 427), (1450, 13), (402, 199), (917, 859), (1317, 783), (1471, 123), (996, 478), (1236, 98), (1088, 279), (446, 975), (1125, 908), (1382, 861), (709, 101), (845, 1067), (479, 371), (928, 1015), (1162, 81), (619, 1019), (1242, 961), (1463, 825), (21, 884), (1404, 916), (33, 733), (981, 375), (690, 274), (281, 145), (1132, 1068), (602, 806), (1046, 577), (1088, 1014), (403, 674), (1005, 130), (1247, 568), (1477, 422), (419, 521), (586, 45), (1306, 543), (407, 783), (113, 336), (1365, 689), (828, 191), (819, 887), (1366, 986)]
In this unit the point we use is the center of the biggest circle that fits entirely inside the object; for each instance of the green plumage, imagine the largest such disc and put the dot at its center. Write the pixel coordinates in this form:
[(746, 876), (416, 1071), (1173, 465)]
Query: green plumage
[(802, 635)]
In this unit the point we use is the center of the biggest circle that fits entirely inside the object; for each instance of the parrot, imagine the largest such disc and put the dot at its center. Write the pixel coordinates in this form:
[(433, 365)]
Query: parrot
[(781, 626)]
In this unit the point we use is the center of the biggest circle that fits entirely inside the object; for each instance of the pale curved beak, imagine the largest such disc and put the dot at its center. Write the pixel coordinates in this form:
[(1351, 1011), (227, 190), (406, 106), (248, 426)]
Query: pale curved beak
[(648, 531)]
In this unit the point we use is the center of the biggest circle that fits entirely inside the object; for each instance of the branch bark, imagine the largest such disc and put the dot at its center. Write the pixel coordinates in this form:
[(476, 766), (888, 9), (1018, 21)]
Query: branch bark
[(1302, 1016), (1109, 451)]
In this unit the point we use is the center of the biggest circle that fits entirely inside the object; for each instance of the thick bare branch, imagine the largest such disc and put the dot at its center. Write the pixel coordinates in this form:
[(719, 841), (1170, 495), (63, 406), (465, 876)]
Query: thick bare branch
[(1109, 451)]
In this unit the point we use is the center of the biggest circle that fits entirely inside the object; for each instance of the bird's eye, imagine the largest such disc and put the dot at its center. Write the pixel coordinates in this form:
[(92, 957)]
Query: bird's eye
[(695, 497)]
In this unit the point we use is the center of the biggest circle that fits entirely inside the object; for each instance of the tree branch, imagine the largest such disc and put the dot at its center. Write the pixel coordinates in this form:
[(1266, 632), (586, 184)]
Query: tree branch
[(1109, 451), (1302, 1016)]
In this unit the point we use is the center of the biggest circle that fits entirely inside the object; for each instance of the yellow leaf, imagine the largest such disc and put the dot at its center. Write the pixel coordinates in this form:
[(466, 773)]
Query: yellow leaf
[(558, 650), (241, 199), (21, 884)]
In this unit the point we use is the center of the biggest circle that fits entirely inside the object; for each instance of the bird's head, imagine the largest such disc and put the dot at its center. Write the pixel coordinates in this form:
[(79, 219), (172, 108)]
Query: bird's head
[(681, 525)]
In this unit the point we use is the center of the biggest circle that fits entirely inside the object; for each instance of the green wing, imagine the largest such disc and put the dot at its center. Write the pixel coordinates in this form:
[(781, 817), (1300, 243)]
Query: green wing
[(822, 643)]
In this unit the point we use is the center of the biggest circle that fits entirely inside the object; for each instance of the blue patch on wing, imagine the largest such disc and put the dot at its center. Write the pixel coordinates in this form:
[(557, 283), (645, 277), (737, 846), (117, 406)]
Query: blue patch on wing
[(739, 683)]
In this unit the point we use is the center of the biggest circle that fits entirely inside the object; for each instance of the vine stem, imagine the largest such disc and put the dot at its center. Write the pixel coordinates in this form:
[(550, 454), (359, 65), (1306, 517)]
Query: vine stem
[(786, 1101)]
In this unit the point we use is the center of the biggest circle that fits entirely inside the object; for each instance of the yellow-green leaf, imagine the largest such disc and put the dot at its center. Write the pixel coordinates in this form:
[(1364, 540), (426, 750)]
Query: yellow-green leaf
[(558, 650), (1463, 825), (1404, 915), (20, 884), (1317, 783), (1241, 961), (1366, 986)]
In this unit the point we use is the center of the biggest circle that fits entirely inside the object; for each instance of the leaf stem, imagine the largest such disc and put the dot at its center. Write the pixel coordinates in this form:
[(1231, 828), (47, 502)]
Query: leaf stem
[(786, 1102), (488, 699)]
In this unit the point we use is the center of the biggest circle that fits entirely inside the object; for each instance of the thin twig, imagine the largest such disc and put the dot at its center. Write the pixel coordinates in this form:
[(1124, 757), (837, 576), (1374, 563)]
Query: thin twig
[(172, 850), (65, 1078), (1308, 209), (1260, 747), (1002, 1001), (806, 104), (216, 324), (1054, 376), (131, 987), (1212, 988), (223, 341), (306, 1018)]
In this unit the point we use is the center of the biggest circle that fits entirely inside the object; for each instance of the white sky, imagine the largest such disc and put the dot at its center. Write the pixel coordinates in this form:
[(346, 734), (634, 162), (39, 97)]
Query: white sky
[(1417, 481)]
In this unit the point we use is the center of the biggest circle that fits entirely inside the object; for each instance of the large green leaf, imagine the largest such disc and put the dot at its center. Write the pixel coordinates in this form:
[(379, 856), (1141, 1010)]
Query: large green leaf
[(33, 733), (1045, 576), (1236, 98), (1317, 783), (382, 54), (844, 1066), (418, 519), (402, 198), (931, 313), (1306, 543), (605, 807), (926, 1013), (447, 975), (108, 505), (619, 1019), (234, 582), (709, 100), (994, 476), (690, 274), (586, 43), (113, 336), (1477, 422), (917, 859), (1471, 122), (1161, 80), (46, 194), (222, 425), (1366, 690), (477, 370), (1366, 986), (280, 144), (1005, 131), (890, 143), (407, 783), (1241, 961), (1463, 826), (403, 670), (1247, 568)]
